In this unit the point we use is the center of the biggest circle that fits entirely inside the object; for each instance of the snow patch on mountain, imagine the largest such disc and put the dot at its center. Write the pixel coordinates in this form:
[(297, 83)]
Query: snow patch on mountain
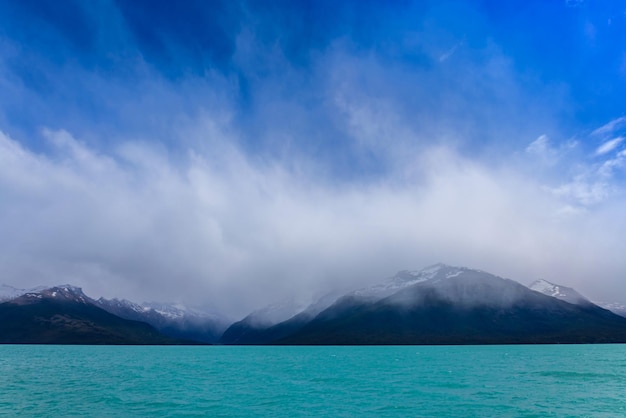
[(176, 311), (114, 304), (615, 307), (166, 311), (175, 320), (65, 291), (564, 293), (406, 278), (572, 296)]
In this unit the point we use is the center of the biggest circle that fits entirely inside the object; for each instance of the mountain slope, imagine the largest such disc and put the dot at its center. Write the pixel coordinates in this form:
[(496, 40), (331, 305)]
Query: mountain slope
[(615, 307), (174, 321), (572, 296), (263, 326), (64, 315), (247, 332)]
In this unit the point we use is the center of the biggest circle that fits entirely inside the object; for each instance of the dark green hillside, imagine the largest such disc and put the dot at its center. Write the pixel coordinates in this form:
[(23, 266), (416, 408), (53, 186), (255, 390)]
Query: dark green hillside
[(42, 320)]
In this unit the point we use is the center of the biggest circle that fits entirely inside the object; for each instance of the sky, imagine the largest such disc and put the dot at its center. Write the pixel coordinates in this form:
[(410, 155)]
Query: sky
[(230, 154)]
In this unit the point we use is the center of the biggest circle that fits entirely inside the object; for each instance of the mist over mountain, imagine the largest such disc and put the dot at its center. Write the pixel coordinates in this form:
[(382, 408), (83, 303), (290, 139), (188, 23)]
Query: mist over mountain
[(273, 323), (439, 304), (615, 307), (444, 305), (174, 321)]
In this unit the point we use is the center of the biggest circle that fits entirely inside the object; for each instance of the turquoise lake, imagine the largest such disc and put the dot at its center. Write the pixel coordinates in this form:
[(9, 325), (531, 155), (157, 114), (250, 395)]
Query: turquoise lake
[(429, 381)]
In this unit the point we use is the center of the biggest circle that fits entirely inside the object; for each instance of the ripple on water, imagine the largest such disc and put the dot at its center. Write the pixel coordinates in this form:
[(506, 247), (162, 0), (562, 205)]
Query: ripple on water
[(304, 381)]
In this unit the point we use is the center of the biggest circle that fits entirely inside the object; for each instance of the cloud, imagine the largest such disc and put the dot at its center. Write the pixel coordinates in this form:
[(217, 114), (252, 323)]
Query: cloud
[(541, 148), (288, 158), (234, 235), (583, 191), (609, 145), (610, 127), (548, 154), (446, 55), (608, 167), (574, 177)]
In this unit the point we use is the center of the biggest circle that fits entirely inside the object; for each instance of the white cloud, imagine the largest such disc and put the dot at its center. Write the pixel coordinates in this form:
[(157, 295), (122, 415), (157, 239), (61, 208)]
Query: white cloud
[(610, 127), (446, 55), (236, 235), (541, 147), (608, 167), (583, 191), (609, 145), (548, 154)]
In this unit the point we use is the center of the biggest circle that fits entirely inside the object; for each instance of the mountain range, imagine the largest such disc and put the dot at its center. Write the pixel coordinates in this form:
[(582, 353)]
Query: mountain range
[(443, 305), (175, 321), (65, 315), (437, 305)]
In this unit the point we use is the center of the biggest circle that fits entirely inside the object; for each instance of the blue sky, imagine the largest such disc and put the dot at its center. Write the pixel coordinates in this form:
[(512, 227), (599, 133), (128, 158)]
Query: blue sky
[(152, 149)]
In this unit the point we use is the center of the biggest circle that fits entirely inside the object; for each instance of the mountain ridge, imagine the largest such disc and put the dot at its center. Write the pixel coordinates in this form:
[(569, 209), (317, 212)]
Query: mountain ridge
[(65, 315), (439, 304), (446, 305)]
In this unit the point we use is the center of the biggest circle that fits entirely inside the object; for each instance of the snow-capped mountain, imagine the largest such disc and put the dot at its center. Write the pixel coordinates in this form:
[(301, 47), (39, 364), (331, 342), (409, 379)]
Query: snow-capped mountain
[(441, 305), (401, 280), (278, 320), (559, 291), (168, 312), (282, 311), (171, 319), (572, 296), (65, 315), (407, 278), (64, 292)]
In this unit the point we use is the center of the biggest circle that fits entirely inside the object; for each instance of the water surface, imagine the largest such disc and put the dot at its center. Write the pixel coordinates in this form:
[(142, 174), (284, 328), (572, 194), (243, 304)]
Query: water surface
[(523, 380)]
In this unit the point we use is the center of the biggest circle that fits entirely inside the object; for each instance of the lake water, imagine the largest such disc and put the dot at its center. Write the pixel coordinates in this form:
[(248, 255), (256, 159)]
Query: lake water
[(100, 381)]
